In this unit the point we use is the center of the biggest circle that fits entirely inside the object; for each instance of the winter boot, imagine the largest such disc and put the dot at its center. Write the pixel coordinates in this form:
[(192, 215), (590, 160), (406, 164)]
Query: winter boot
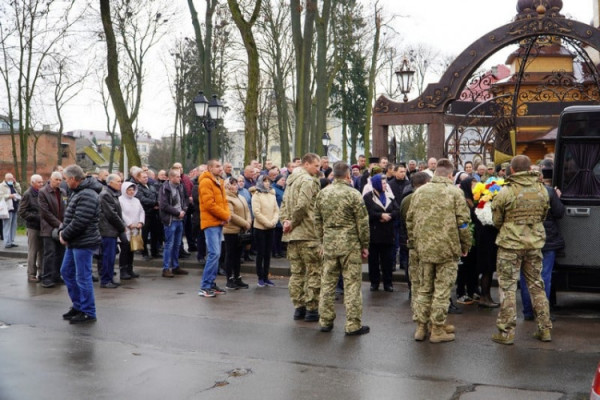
[(439, 335), (240, 283), (231, 284), (421, 332), (124, 273), (130, 270)]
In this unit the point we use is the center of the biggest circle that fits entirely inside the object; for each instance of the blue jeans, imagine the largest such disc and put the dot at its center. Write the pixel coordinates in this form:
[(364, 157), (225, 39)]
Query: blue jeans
[(109, 251), (173, 235), (547, 266), (213, 250), (9, 228), (76, 271)]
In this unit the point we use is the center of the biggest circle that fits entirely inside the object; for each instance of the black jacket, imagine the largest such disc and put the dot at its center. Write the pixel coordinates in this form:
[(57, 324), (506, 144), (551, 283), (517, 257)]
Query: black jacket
[(398, 187), (166, 205), (381, 232), (29, 209), (111, 216), (554, 240), (196, 207), (147, 196), (80, 226)]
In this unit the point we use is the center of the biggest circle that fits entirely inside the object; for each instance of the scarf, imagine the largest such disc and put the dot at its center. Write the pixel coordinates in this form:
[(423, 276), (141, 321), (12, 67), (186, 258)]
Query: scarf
[(260, 184), (378, 187)]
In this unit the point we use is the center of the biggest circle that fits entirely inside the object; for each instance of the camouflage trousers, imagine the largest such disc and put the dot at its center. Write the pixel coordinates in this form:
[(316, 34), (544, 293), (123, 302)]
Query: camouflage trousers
[(508, 266), (351, 267), (432, 298), (413, 274), (305, 269)]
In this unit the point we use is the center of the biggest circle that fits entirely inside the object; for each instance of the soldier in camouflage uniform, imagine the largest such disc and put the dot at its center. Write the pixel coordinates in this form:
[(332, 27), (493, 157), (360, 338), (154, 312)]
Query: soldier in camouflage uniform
[(342, 223), (417, 180), (297, 215), (438, 230), (518, 211)]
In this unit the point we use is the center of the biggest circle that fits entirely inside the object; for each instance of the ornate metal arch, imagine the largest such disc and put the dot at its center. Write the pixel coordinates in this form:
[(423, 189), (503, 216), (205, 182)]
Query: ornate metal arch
[(430, 107), (436, 96)]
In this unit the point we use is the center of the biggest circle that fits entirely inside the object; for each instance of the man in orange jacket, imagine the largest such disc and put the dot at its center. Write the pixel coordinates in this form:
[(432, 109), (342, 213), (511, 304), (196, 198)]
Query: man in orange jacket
[(214, 214)]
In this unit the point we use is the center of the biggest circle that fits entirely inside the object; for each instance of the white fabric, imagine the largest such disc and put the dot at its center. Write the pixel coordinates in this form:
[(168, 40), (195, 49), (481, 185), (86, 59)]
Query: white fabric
[(133, 212)]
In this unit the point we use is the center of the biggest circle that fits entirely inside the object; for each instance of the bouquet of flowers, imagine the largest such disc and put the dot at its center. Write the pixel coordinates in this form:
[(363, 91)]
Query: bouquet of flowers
[(483, 194)]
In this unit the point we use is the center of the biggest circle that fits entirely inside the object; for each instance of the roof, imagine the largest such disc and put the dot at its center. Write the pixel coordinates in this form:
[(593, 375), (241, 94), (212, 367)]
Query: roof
[(530, 137), (95, 156)]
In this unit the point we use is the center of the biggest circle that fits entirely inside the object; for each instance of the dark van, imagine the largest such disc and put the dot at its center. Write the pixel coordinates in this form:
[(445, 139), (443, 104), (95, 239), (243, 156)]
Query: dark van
[(577, 175)]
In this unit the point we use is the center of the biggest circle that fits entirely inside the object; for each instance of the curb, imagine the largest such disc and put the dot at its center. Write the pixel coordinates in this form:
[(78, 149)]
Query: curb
[(279, 268)]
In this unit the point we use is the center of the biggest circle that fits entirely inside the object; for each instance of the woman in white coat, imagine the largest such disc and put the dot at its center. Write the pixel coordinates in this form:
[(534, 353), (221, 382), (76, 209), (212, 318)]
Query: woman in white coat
[(266, 216), (134, 217)]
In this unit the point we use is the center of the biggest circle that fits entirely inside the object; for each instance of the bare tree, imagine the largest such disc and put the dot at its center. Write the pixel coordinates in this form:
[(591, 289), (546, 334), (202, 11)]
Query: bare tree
[(322, 74), (372, 72), (139, 25), (30, 32), (251, 105), (276, 55), (67, 78), (303, 42)]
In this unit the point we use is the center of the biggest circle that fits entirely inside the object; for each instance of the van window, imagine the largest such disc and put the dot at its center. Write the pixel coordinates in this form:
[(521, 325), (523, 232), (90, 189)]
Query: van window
[(581, 170)]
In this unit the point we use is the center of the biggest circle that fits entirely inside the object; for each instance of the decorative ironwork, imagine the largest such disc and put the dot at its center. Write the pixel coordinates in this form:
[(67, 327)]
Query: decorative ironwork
[(537, 21), (489, 125), (437, 96)]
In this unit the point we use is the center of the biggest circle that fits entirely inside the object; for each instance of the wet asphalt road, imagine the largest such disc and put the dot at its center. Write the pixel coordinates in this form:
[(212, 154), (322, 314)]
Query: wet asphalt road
[(156, 339)]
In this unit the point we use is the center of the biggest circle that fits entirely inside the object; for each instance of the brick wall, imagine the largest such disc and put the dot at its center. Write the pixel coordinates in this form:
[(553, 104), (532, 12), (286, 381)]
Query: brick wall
[(46, 154)]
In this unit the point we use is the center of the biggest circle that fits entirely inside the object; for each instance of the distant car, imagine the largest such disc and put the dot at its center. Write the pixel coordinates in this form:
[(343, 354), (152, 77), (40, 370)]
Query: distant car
[(595, 393)]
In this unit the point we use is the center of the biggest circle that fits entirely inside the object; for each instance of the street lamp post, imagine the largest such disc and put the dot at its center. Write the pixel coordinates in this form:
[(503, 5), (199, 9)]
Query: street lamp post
[(209, 113), (325, 139), (405, 77)]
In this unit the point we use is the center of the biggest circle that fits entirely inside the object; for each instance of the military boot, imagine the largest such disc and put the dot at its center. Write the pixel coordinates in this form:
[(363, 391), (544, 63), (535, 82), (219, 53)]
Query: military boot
[(299, 313), (439, 335), (447, 327), (311, 316), (543, 335), (504, 337), (421, 332)]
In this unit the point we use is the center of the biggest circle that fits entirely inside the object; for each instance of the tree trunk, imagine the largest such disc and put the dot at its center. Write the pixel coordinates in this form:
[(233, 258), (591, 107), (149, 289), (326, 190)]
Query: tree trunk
[(322, 78), (251, 107), (303, 48), (112, 83), (370, 93)]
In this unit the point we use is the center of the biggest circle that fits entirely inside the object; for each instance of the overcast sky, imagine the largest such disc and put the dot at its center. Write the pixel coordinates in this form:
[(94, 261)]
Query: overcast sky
[(447, 25)]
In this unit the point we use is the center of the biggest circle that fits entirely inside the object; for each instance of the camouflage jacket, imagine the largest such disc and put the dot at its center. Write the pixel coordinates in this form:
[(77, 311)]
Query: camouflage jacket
[(438, 222), (519, 210), (298, 205), (341, 219)]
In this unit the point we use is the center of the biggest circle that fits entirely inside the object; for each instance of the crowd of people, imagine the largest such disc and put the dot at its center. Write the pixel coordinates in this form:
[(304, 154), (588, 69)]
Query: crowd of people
[(326, 219)]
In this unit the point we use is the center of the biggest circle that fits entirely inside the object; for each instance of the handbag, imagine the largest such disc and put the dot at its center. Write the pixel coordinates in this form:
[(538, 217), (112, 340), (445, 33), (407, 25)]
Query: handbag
[(245, 238), (3, 210), (136, 242)]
